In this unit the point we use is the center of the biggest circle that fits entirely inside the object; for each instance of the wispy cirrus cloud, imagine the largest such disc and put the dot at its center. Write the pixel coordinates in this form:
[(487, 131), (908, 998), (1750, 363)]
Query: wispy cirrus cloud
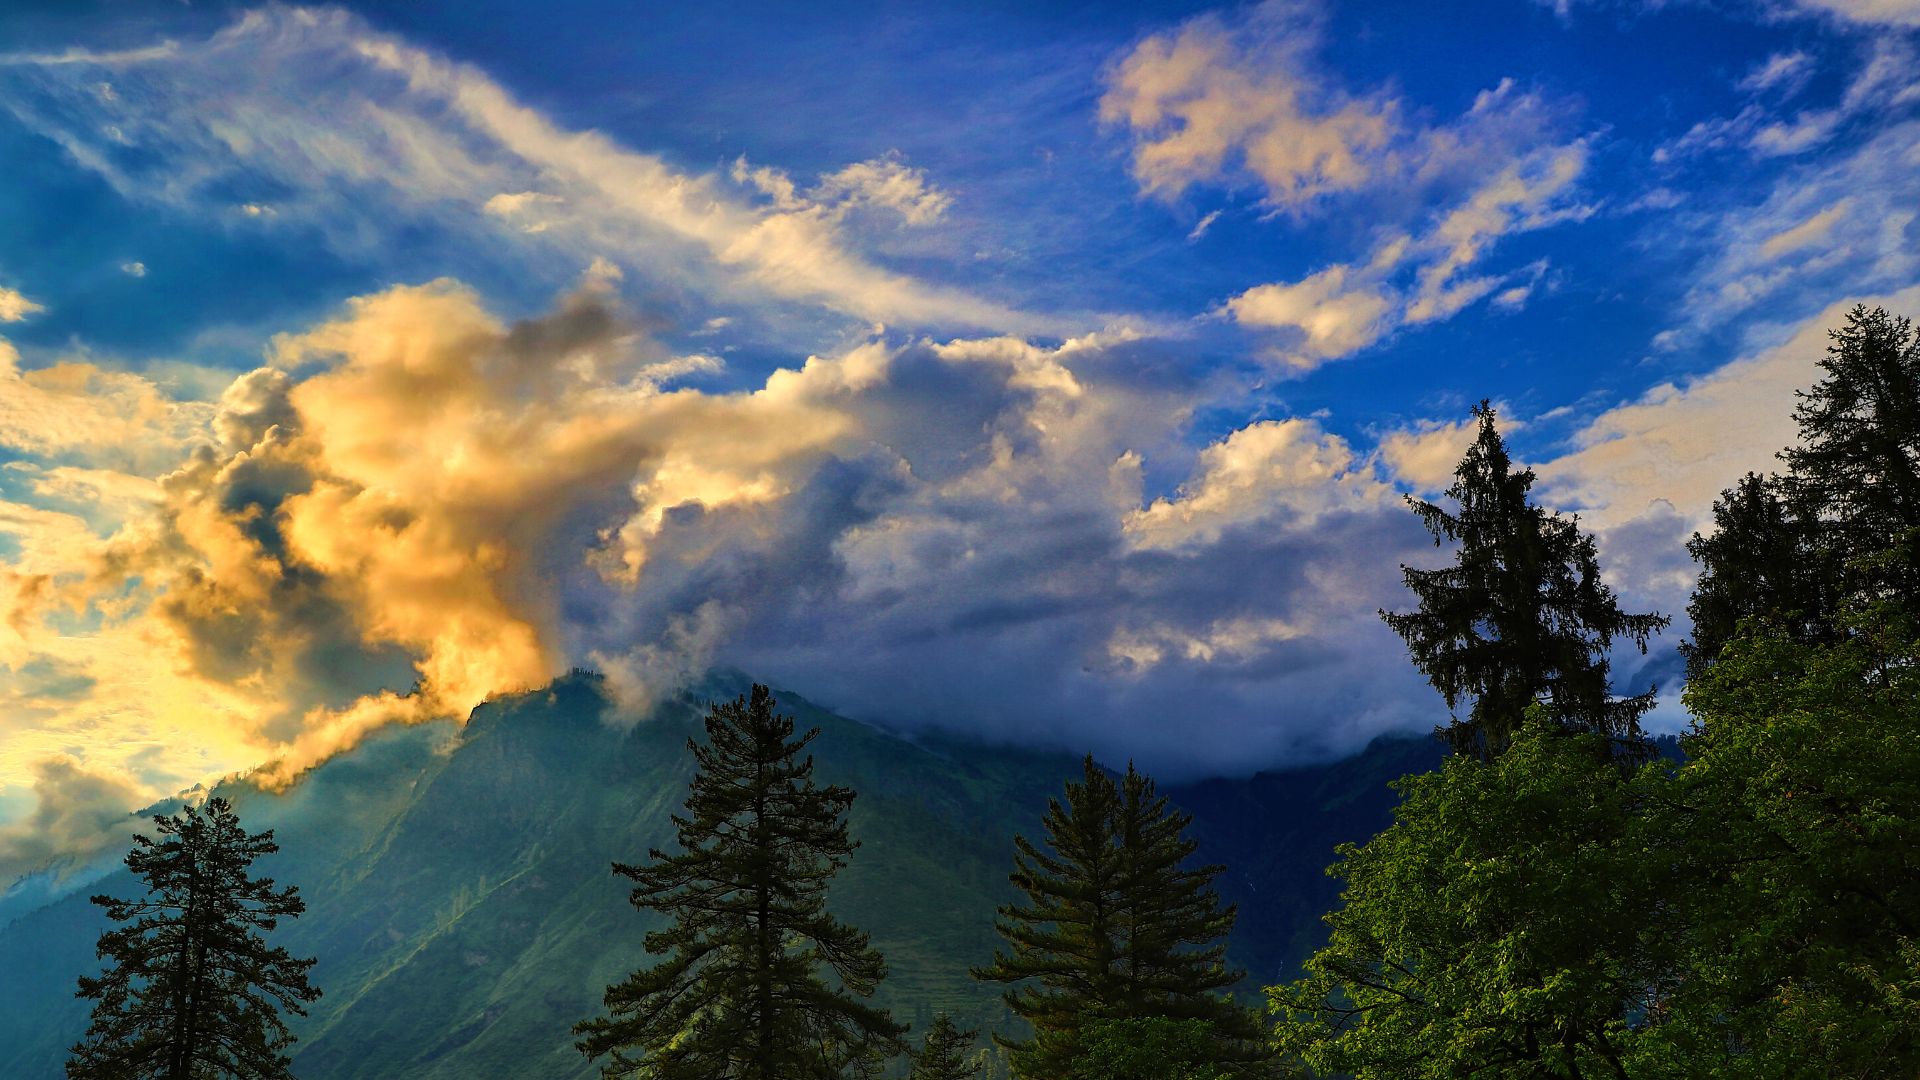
[(309, 117)]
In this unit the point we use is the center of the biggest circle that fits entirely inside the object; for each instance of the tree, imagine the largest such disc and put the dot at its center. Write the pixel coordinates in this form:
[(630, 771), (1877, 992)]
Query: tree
[(1496, 929), (740, 994), (1521, 616), (1151, 1048), (1116, 927), (943, 1055), (193, 990), (1763, 560), (1796, 826), (1859, 455)]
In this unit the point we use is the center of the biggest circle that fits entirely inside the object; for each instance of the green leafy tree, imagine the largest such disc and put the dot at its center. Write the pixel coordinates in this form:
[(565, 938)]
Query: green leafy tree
[(1521, 616), (740, 994), (1796, 886), (943, 1054), (1116, 926), (1496, 929), (1763, 560), (193, 990)]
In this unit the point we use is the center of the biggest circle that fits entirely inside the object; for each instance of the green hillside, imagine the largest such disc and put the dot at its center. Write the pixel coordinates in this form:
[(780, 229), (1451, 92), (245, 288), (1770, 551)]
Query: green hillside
[(460, 904)]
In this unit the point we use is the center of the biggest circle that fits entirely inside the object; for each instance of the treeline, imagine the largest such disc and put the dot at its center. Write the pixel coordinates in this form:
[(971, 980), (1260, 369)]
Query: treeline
[(1557, 900)]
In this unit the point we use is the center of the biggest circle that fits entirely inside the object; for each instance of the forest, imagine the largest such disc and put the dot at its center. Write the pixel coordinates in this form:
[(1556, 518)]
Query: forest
[(1563, 896)]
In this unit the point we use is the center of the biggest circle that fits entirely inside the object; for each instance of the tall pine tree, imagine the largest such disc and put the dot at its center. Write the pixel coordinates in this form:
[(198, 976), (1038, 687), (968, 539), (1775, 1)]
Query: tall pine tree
[(1858, 459), (194, 991), (1522, 615), (1116, 926), (740, 994)]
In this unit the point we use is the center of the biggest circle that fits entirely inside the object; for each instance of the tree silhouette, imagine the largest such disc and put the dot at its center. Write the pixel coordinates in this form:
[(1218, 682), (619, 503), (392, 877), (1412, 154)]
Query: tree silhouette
[(739, 994), (943, 1055), (1521, 616), (193, 990)]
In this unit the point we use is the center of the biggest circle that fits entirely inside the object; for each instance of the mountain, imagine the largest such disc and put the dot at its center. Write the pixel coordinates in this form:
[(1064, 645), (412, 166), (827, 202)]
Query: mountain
[(460, 902)]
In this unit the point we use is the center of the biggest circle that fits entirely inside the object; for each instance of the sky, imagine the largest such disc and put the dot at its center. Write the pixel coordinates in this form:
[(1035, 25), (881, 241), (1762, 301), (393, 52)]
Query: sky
[(1052, 374)]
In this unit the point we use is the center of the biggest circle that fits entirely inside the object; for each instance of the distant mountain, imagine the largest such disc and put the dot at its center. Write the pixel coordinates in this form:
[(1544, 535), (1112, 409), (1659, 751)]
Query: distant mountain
[(460, 902)]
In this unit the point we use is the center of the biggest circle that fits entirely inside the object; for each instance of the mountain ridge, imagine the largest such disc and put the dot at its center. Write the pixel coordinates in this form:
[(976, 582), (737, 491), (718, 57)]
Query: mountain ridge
[(462, 909)]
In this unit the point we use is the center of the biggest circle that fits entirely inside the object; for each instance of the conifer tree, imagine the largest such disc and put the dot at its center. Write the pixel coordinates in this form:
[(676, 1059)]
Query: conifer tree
[(1116, 926), (943, 1055), (1763, 560), (1858, 459), (1521, 616), (740, 993), (194, 991)]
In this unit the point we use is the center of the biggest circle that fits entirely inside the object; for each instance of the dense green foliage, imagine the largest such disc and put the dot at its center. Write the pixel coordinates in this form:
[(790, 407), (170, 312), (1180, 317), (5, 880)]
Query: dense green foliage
[(740, 993), (944, 1053), (1117, 926), (192, 989), (1149, 1048), (1494, 930), (1556, 909), (1521, 615), (1792, 837)]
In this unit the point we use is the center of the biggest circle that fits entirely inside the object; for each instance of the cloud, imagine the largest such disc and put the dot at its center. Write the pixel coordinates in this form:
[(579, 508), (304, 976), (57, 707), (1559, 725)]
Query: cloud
[(76, 410), (1680, 444), (134, 269), (343, 125), (78, 812), (1211, 98), (14, 307), (417, 505), (1421, 278), (1869, 12)]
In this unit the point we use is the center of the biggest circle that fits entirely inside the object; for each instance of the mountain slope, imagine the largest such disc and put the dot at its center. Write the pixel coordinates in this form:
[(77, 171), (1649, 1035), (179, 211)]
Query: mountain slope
[(462, 909)]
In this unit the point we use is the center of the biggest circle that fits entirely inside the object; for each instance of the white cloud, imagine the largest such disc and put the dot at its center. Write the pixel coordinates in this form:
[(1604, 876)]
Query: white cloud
[(134, 269), (1869, 12)]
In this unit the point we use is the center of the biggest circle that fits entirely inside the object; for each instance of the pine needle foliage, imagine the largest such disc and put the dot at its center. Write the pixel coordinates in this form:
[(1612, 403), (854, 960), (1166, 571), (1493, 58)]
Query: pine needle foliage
[(1116, 925), (193, 990), (1522, 616), (758, 980)]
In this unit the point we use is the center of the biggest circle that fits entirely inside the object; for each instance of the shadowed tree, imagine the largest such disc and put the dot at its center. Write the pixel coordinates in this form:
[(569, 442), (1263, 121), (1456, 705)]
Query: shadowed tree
[(1522, 615), (740, 994), (194, 991), (943, 1055), (1763, 560), (1858, 459), (1116, 927)]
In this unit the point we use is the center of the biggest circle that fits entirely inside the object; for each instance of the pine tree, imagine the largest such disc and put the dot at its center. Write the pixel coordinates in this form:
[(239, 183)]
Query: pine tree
[(1521, 616), (1115, 927), (193, 990), (943, 1055), (1763, 560), (740, 994), (1859, 455)]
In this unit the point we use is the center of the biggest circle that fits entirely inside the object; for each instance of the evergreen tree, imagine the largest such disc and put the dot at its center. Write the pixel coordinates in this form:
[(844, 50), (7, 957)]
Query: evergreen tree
[(1521, 616), (1858, 460), (1116, 926), (943, 1055), (740, 994), (193, 990), (1763, 560)]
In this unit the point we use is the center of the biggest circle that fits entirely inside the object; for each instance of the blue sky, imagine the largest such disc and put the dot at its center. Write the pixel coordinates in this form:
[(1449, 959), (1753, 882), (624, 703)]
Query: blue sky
[(1049, 372)]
